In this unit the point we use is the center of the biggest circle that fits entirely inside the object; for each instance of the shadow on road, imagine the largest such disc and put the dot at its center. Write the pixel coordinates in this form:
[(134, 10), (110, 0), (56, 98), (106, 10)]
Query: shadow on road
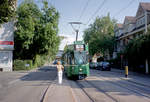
[(46, 73)]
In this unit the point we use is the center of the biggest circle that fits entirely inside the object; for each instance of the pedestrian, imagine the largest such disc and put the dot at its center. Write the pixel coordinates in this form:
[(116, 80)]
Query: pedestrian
[(60, 69)]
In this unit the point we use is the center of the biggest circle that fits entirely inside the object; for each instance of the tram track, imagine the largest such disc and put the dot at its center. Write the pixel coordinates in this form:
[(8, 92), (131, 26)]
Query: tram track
[(82, 88), (140, 87), (136, 89), (137, 83), (97, 88), (133, 88), (123, 78)]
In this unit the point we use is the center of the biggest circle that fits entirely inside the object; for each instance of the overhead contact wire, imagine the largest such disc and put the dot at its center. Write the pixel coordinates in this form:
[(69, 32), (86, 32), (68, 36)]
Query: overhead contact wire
[(97, 10), (124, 8), (84, 9)]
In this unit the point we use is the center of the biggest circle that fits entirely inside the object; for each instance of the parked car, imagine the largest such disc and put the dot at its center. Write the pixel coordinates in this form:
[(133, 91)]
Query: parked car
[(93, 65), (55, 62), (99, 65), (105, 66)]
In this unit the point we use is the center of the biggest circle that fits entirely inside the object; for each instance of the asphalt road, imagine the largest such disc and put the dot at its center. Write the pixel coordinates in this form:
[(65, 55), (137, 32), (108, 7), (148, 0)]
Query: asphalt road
[(26, 86), (41, 86), (111, 88)]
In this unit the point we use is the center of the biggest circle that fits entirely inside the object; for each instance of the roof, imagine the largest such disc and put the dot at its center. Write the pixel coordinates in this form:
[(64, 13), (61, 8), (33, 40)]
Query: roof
[(145, 5), (131, 19)]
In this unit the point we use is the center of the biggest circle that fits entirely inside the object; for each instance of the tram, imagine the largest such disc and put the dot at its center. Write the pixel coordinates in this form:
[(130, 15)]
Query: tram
[(76, 60)]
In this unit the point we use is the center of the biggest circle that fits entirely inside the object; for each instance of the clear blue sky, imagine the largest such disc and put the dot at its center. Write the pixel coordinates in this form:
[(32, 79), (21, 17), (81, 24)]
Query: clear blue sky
[(70, 10)]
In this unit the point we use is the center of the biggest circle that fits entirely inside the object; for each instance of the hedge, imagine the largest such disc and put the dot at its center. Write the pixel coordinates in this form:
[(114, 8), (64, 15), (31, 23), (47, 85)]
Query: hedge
[(38, 61), (23, 65)]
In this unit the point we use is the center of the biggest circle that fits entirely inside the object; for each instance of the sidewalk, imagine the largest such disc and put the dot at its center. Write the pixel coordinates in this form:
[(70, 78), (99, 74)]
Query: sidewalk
[(134, 77), (59, 93)]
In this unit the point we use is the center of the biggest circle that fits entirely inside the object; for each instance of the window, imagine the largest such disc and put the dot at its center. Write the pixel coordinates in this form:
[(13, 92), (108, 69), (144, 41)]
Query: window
[(80, 47), (143, 20)]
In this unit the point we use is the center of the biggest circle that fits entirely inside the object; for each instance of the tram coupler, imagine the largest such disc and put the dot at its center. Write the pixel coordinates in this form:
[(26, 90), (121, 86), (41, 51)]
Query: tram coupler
[(126, 71)]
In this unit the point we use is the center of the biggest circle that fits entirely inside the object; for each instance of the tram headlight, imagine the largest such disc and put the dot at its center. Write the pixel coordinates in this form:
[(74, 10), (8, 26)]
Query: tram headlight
[(80, 69)]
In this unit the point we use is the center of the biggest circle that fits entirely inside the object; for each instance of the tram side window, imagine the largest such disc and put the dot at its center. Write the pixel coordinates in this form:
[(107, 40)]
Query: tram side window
[(70, 60), (67, 59)]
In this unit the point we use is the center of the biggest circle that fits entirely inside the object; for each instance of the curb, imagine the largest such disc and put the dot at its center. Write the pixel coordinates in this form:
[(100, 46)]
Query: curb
[(135, 82), (45, 95), (131, 80)]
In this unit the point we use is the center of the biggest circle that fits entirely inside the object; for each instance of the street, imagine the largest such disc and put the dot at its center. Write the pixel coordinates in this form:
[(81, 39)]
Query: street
[(74, 51), (41, 86), (25, 86)]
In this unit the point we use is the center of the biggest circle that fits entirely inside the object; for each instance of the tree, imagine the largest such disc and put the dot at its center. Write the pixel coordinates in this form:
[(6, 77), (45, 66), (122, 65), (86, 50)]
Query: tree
[(138, 49), (28, 16), (36, 32), (46, 31), (100, 35), (7, 10)]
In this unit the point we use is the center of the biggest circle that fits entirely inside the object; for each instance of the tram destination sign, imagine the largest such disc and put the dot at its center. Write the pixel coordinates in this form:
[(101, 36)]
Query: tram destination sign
[(80, 47)]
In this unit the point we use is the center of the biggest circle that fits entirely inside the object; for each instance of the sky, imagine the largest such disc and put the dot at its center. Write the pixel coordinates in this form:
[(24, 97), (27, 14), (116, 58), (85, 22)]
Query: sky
[(84, 10)]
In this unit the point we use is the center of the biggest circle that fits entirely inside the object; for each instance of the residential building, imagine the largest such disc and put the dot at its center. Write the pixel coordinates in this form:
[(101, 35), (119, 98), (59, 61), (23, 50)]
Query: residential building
[(6, 46), (132, 27)]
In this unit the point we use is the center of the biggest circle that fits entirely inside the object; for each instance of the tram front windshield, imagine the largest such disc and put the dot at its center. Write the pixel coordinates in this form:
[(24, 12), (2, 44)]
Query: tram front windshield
[(80, 57)]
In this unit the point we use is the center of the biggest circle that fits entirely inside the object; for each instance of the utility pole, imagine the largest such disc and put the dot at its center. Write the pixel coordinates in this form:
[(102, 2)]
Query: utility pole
[(146, 61), (76, 30)]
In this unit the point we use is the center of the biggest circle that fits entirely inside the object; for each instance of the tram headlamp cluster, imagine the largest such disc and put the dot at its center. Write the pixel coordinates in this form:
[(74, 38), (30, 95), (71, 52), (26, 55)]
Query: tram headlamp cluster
[(80, 69)]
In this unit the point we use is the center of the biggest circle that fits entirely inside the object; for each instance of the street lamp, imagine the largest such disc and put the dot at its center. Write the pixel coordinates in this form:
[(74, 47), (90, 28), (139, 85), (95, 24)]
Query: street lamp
[(76, 30)]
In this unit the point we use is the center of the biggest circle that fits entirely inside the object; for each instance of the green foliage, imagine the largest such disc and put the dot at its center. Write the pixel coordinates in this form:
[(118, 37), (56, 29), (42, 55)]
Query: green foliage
[(36, 33), (28, 14), (138, 48), (46, 32), (137, 51), (7, 10), (100, 35), (40, 60), (22, 65)]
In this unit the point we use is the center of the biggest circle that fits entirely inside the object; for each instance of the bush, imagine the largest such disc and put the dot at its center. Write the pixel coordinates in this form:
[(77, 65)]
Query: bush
[(22, 65), (40, 60)]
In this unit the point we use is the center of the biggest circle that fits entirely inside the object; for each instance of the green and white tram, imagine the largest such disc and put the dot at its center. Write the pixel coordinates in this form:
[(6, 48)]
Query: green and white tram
[(76, 60)]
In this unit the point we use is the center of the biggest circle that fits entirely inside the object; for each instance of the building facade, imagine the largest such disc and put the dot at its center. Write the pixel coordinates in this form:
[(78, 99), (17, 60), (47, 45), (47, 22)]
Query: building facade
[(132, 27), (6, 46)]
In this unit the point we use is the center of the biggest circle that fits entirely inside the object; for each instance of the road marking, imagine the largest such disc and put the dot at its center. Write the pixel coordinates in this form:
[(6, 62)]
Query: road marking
[(17, 80), (14, 81)]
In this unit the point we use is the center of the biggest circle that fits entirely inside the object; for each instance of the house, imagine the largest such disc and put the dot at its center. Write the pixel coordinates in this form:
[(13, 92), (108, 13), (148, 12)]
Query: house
[(118, 33), (6, 46), (132, 27)]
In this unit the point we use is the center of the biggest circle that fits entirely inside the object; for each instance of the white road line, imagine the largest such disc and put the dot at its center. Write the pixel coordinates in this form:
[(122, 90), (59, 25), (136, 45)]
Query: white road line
[(14, 81), (17, 80)]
